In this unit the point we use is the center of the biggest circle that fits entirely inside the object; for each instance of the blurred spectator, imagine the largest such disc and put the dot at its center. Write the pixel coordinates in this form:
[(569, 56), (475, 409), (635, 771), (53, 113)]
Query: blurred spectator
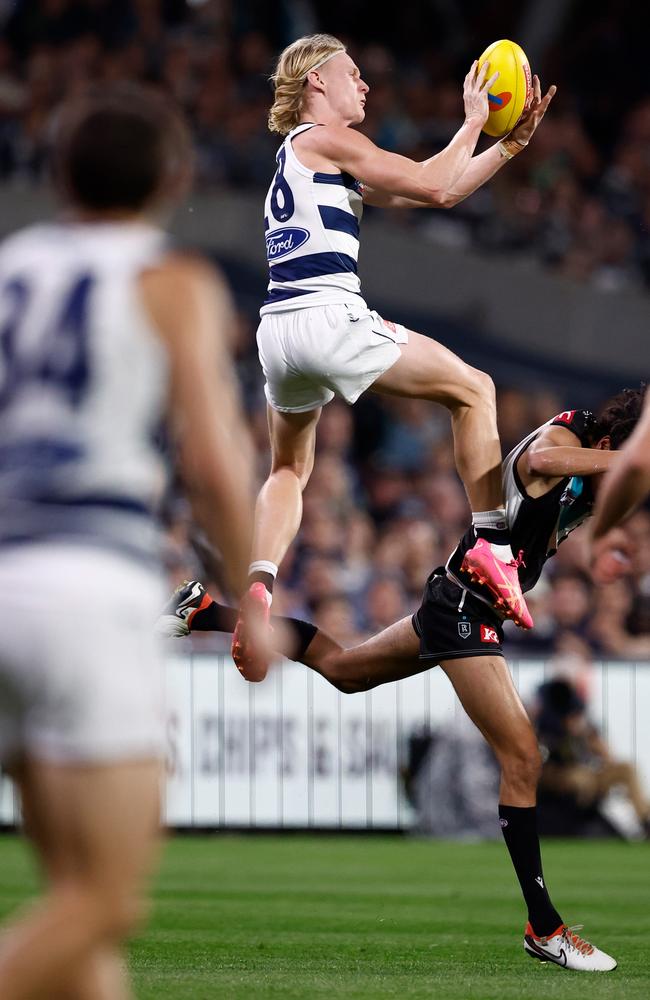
[(638, 530), (335, 615), (451, 778), (384, 604), (570, 603), (578, 766)]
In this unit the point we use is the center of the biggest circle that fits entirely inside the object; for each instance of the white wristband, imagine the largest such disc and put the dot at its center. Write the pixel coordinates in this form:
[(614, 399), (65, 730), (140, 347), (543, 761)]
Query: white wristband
[(505, 153)]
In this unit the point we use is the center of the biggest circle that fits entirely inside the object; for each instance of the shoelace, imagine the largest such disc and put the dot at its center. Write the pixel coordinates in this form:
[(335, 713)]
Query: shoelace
[(519, 561), (573, 940)]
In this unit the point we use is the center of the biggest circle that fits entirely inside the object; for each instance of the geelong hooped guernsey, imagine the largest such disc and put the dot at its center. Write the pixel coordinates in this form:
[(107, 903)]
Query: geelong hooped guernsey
[(83, 388), (312, 222)]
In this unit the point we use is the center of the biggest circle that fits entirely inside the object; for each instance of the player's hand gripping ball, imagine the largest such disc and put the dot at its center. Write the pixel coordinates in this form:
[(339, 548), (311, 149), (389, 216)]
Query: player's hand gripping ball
[(512, 93)]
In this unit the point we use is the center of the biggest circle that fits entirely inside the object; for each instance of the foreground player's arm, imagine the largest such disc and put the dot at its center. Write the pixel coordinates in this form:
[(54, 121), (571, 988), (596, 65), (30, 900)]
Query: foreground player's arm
[(480, 168), (191, 310), (393, 174), (627, 485)]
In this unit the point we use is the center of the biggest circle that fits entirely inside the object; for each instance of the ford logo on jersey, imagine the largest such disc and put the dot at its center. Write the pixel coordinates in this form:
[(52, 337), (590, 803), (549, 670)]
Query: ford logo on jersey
[(283, 241)]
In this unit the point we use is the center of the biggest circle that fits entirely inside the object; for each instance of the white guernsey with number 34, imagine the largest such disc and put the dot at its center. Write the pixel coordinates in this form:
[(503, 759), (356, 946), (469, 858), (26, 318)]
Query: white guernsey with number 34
[(83, 381)]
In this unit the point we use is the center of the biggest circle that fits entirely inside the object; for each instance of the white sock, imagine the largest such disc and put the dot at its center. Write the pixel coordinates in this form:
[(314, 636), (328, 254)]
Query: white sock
[(494, 520), (502, 552), (264, 566)]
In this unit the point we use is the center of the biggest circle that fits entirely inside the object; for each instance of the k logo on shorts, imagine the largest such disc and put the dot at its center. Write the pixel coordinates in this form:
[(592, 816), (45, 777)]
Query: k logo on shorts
[(489, 635)]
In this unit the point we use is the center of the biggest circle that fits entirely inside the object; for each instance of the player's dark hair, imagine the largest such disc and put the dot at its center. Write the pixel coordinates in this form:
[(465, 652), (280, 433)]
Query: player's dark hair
[(120, 149), (619, 416)]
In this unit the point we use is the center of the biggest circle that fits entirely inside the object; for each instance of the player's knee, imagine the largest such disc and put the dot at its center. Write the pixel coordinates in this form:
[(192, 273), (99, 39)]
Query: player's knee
[(348, 685), (122, 914), (522, 767), (476, 389), (304, 469), (300, 467), (110, 914), (483, 387), (342, 678)]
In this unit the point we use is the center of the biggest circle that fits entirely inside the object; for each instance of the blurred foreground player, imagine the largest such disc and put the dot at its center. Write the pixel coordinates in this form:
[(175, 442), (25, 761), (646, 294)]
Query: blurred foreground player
[(105, 335), (317, 337), (549, 482), (624, 488)]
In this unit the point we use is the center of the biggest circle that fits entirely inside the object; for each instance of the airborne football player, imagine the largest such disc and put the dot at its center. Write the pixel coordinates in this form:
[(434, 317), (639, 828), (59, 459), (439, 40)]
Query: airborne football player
[(317, 337)]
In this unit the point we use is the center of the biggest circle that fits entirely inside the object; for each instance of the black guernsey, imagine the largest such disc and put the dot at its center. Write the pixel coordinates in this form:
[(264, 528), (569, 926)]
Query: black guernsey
[(537, 524)]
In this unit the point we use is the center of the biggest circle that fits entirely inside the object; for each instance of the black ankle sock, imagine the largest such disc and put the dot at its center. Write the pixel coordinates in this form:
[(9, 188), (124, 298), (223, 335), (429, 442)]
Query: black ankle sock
[(519, 827), (219, 618), (303, 632), (215, 618), (260, 577)]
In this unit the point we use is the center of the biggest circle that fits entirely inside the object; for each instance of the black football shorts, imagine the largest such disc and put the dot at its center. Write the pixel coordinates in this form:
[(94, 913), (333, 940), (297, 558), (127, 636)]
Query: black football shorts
[(450, 628)]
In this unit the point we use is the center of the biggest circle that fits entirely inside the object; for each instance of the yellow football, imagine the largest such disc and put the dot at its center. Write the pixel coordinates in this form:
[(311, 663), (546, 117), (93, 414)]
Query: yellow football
[(512, 92)]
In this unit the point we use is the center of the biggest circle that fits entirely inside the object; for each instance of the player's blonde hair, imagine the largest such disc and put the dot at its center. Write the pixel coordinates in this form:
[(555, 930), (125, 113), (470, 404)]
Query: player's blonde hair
[(295, 62)]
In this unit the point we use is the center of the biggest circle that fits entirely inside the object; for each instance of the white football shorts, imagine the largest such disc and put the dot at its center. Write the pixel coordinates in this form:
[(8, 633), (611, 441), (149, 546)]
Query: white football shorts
[(80, 667), (310, 355)]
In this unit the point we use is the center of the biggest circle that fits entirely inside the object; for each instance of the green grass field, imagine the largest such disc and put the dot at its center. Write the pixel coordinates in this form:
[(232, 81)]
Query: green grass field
[(256, 916)]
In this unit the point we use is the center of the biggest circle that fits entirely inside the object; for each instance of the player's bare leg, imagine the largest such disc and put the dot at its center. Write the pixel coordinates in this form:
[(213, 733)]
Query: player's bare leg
[(95, 829), (104, 976), (391, 655), (427, 370), (278, 514), (488, 695), (278, 511)]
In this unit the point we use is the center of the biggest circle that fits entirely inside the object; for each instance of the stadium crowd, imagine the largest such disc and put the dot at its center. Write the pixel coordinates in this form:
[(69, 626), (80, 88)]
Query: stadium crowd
[(578, 201)]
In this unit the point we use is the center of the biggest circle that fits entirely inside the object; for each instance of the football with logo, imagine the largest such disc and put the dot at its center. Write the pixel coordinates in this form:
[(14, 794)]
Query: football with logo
[(512, 92)]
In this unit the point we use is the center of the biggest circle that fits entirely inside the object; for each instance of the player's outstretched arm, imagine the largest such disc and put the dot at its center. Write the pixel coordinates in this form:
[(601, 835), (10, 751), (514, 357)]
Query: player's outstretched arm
[(191, 309), (387, 174), (628, 483), (484, 166), (479, 168), (557, 453)]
